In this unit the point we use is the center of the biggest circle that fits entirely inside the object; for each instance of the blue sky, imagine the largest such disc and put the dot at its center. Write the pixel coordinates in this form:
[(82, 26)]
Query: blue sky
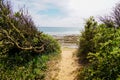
[(64, 13)]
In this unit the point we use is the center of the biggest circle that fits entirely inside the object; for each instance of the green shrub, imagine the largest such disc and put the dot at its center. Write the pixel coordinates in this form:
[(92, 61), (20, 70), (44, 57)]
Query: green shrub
[(24, 51), (32, 70), (28, 65), (51, 45), (86, 43), (104, 63)]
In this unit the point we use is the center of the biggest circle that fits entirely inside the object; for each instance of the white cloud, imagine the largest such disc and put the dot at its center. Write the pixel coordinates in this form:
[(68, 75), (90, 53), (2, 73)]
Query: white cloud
[(74, 11)]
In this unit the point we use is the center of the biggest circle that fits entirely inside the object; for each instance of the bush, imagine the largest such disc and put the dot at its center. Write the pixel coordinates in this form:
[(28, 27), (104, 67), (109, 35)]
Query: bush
[(24, 51), (104, 63), (51, 45), (28, 65), (86, 43)]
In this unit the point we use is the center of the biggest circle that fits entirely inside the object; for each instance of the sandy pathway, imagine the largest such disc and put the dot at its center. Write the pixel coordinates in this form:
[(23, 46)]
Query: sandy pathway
[(68, 65)]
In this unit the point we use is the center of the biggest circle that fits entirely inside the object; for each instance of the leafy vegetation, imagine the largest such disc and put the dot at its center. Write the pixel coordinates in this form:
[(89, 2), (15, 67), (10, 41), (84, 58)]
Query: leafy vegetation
[(100, 45), (24, 51), (86, 40)]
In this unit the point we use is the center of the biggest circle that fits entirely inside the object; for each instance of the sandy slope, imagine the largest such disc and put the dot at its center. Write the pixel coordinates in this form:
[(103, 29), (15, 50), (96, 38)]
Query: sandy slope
[(68, 65), (64, 68)]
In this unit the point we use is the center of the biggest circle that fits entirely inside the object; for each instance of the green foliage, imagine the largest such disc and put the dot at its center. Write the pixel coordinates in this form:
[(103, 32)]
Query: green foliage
[(51, 45), (25, 64), (13, 70), (86, 44), (17, 29), (104, 61), (24, 51)]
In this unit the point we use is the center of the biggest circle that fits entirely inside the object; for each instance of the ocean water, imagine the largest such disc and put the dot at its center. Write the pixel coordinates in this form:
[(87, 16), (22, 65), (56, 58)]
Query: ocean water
[(60, 30)]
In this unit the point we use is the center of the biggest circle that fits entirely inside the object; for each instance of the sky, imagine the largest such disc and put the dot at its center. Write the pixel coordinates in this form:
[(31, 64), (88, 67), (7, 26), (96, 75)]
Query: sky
[(64, 13)]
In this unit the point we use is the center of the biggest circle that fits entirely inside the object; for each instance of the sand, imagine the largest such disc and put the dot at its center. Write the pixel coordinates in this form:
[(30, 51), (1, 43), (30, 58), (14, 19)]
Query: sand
[(68, 65), (65, 67)]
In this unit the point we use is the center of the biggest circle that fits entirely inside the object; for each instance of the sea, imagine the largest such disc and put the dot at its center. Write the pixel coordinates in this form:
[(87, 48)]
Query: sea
[(60, 30)]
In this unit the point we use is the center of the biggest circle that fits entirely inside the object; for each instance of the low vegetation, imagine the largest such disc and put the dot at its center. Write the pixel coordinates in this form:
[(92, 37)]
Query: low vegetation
[(99, 48), (24, 51)]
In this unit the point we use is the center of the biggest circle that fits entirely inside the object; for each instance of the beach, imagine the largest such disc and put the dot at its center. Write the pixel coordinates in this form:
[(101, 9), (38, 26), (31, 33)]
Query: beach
[(70, 41), (66, 36)]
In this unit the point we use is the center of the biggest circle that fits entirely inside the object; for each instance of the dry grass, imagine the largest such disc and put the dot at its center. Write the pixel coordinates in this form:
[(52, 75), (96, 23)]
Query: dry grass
[(53, 68)]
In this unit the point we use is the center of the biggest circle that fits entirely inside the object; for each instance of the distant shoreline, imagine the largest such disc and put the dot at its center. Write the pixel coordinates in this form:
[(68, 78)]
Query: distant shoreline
[(60, 31), (66, 36), (71, 40)]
